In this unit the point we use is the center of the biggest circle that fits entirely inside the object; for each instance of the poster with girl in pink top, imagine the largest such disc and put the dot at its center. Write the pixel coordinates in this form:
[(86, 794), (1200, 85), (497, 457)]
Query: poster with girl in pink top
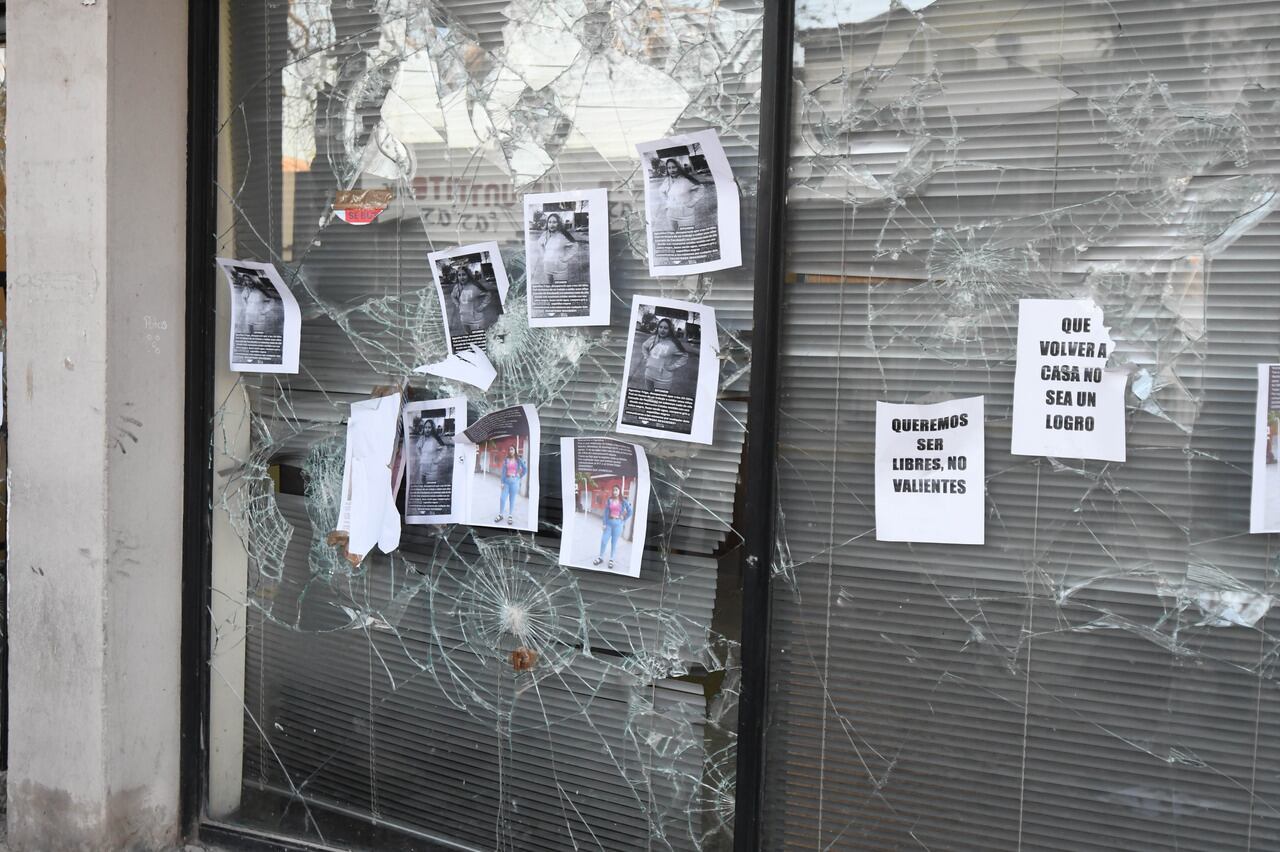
[(604, 486), (500, 454)]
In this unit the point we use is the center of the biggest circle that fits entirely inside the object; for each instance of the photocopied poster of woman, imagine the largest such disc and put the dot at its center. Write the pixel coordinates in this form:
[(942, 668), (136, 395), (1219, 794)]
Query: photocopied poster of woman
[(566, 245), (691, 204), (672, 371), (435, 477), (604, 484), (266, 322), (472, 285), (500, 455)]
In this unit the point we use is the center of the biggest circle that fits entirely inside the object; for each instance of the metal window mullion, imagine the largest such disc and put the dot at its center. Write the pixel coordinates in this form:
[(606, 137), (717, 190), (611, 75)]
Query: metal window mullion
[(760, 511), (202, 84)]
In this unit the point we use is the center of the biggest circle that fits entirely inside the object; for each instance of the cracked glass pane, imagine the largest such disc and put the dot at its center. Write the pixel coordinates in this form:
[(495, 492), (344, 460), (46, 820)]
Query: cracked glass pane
[(1101, 673), (4, 113), (465, 688)]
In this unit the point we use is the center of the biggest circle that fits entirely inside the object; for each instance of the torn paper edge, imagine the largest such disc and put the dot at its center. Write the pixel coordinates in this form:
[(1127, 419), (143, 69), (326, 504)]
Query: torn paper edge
[(472, 367), (368, 512)]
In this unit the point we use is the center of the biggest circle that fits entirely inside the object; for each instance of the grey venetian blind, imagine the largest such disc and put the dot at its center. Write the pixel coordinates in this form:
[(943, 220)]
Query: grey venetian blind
[(385, 694), (1066, 686)]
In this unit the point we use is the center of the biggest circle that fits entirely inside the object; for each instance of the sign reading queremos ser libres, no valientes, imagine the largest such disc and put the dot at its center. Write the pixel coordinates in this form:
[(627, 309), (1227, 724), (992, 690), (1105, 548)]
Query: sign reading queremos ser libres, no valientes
[(930, 463)]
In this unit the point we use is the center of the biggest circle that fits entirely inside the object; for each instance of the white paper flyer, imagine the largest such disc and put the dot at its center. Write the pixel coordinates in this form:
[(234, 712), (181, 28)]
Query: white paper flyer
[(435, 485), (1066, 403), (266, 322), (604, 485), (472, 285), (930, 472), (566, 246), (691, 204), (672, 371), (500, 455)]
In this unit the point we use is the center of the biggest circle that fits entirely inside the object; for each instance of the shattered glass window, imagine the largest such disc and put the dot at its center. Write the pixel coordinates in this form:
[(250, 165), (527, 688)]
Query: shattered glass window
[(381, 705), (4, 113), (1101, 674)]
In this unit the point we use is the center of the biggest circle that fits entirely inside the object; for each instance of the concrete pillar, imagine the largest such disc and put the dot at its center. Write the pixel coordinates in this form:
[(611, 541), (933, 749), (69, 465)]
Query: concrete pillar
[(96, 216)]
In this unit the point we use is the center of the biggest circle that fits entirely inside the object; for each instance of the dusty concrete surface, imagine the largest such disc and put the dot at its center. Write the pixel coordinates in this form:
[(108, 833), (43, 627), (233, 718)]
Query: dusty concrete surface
[(96, 265)]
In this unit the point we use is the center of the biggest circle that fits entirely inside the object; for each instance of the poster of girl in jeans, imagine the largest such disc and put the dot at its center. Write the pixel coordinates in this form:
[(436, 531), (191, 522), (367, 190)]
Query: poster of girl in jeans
[(500, 453), (472, 285), (511, 472), (605, 493)]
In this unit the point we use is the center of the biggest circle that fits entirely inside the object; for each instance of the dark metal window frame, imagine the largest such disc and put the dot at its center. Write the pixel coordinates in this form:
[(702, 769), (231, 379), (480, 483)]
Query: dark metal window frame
[(202, 112), (759, 513)]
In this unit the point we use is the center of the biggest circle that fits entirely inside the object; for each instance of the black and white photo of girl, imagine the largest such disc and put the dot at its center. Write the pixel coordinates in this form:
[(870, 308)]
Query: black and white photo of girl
[(560, 282), (682, 175), (663, 381), (265, 319), (431, 472), (664, 362), (691, 204), (671, 370), (472, 284), (566, 258), (261, 310)]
